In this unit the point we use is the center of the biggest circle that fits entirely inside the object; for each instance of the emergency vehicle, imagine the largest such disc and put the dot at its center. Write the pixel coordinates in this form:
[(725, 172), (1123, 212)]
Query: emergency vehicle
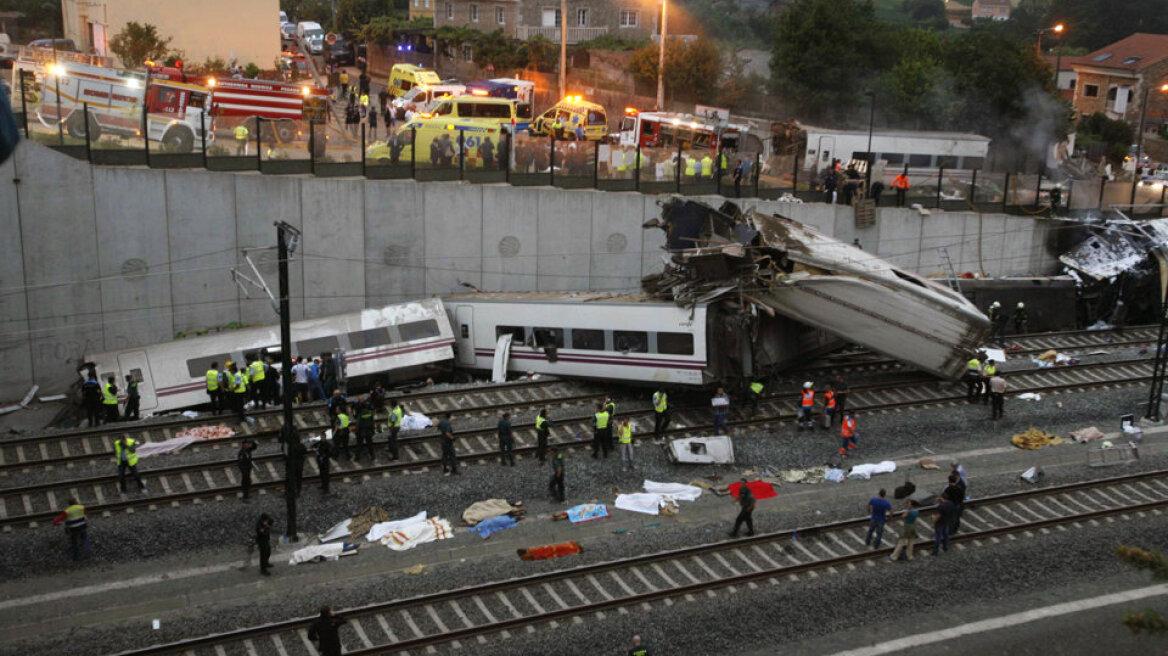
[(672, 129), (239, 101), (421, 96), (174, 109), (503, 87), (573, 112), (403, 77), (476, 119)]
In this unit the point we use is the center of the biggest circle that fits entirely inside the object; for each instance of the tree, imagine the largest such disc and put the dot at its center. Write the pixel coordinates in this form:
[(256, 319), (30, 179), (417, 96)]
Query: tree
[(318, 11), (138, 42), (1117, 136), (353, 15), (1148, 621), (692, 68)]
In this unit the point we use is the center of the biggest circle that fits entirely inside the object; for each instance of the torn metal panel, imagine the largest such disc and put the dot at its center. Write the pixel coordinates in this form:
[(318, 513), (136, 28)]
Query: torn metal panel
[(717, 450)]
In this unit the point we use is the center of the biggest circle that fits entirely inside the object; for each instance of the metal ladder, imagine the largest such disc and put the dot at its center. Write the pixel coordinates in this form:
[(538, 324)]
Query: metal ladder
[(954, 284)]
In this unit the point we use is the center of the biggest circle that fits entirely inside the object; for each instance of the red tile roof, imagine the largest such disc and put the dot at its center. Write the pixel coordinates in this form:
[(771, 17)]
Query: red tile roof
[(1067, 63), (1133, 53)]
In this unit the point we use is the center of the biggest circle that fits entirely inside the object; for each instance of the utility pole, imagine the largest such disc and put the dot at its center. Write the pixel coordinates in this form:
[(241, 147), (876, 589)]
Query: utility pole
[(563, 48), (287, 239), (661, 59)]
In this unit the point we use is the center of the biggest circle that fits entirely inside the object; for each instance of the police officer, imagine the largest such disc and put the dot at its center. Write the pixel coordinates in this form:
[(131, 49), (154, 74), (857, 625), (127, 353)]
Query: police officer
[(395, 422), (624, 432), (241, 134), (660, 413), (341, 424), (745, 510), (237, 381), (542, 429), (600, 441), (365, 428), (244, 460), (1021, 318), (256, 375), (755, 396), (324, 453), (109, 399), (973, 378), (987, 372), (297, 454), (263, 540), (610, 408), (449, 458), (556, 484), (213, 388), (133, 399), (126, 456), (75, 527), (506, 441), (91, 396)]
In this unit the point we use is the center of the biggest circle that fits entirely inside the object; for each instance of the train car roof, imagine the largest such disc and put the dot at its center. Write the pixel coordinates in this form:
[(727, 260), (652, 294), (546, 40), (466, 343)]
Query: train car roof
[(909, 134), (613, 298)]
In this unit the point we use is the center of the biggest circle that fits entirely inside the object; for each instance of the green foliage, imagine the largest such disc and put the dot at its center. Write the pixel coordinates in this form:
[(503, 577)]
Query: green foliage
[(612, 42), (138, 42), (214, 66), (692, 68), (353, 15), (383, 29), (1147, 621), (497, 50), (540, 53), (1091, 23), (251, 70), (319, 11), (725, 21)]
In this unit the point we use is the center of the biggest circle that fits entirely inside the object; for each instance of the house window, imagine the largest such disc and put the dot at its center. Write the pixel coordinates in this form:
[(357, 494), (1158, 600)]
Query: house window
[(449, 11), (1072, 84), (426, 4), (1111, 93), (467, 53), (582, 17), (474, 13), (550, 17), (417, 3), (500, 15), (630, 18), (1091, 91)]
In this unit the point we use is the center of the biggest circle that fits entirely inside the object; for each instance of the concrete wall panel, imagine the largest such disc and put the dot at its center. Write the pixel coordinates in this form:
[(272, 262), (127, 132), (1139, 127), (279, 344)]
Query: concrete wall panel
[(332, 248), (510, 236), (260, 203), (617, 238), (900, 238), (395, 242), (454, 235), (652, 241), (565, 233), (202, 230), (15, 352)]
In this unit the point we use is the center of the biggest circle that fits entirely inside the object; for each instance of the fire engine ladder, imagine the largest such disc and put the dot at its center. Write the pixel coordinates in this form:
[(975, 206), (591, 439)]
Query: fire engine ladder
[(954, 284)]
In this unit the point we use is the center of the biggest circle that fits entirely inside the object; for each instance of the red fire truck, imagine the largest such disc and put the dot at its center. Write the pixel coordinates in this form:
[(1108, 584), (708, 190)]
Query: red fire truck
[(286, 107), (672, 129)]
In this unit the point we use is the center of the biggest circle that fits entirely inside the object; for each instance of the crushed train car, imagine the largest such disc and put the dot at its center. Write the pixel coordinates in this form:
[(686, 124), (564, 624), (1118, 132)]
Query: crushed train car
[(780, 266), (1121, 269)]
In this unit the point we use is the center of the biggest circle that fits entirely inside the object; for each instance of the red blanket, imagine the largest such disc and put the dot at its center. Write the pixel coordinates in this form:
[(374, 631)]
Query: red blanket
[(760, 489)]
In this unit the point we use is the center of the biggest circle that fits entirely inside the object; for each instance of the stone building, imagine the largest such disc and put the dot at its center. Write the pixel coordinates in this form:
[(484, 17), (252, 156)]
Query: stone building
[(524, 19), (1113, 79)]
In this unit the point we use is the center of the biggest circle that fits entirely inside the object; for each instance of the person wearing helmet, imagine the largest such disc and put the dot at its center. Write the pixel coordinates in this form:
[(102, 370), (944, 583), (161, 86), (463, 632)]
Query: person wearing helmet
[(1021, 318), (997, 323), (806, 405)]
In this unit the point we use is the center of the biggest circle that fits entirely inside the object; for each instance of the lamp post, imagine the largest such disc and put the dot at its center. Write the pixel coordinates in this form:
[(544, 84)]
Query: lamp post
[(871, 120), (1140, 142), (1056, 29), (661, 58), (287, 239), (563, 48)]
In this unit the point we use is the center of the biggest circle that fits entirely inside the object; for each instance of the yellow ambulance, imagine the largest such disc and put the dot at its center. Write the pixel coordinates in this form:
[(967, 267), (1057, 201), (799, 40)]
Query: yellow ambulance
[(403, 77), (480, 121), (573, 112)]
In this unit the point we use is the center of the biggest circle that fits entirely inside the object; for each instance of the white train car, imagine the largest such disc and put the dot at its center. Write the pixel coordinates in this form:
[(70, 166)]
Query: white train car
[(396, 342), (595, 335), (896, 148)]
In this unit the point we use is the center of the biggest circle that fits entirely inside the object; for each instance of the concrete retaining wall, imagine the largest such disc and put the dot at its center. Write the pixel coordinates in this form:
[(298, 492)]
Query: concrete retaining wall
[(103, 258)]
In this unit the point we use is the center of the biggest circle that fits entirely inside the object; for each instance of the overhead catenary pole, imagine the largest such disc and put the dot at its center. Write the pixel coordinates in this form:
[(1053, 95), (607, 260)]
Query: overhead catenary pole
[(563, 48), (661, 58), (287, 238)]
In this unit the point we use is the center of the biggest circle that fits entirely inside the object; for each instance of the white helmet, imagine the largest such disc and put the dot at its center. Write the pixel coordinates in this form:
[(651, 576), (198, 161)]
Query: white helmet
[(1021, 304), (997, 304), (807, 385)]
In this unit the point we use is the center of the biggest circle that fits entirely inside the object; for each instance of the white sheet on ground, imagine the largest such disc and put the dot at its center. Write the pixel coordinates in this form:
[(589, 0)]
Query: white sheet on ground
[(166, 446), (336, 532), (678, 491), (502, 355), (378, 531), (868, 470), (650, 504), (318, 552), (410, 536), (415, 421), (486, 509)]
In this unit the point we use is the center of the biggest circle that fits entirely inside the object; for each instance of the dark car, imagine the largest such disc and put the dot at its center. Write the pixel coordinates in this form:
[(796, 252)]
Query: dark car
[(339, 53), (54, 44)]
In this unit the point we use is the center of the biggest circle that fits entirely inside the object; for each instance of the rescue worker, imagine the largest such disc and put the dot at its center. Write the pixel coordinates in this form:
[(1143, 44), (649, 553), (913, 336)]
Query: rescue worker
[(987, 373), (997, 322), (972, 379), (241, 138), (638, 649), (336, 401), (325, 631), (708, 165), (558, 128), (133, 399), (755, 395), (272, 378), (395, 422), (690, 168), (449, 457), (506, 440), (1021, 318), (542, 430), (721, 405), (746, 504), (325, 453), (840, 387), (997, 396), (238, 381), (847, 433), (256, 376), (109, 399), (343, 78), (341, 423), (624, 432), (91, 396), (901, 184), (599, 427), (126, 456), (377, 397), (263, 538), (806, 405), (829, 407), (75, 527), (556, 484), (213, 388), (244, 461), (610, 408), (660, 413)]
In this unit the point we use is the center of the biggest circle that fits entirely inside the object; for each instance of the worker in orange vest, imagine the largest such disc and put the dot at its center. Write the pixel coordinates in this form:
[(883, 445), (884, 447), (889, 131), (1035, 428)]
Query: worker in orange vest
[(806, 405), (828, 407), (900, 184), (847, 434)]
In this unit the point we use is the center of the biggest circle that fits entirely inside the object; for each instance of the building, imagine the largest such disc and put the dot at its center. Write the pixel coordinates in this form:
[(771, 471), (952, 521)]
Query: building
[(422, 9), (247, 32), (1112, 79), (1068, 79), (520, 19), (992, 9)]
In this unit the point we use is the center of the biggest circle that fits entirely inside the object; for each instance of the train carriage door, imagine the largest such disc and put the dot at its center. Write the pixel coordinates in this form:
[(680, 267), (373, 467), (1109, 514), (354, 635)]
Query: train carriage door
[(826, 153), (135, 364), (464, 334)]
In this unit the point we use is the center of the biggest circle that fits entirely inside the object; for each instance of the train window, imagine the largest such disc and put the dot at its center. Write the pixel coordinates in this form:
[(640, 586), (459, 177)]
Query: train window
[(198, 367), (675, 343), (310, 348), (588, 340), (549, 337), (630, 341), (363, 339), (465, 331), (892, 158), (947, 161), (136, 374), (518, 333), (973, 162), (415, 330), (920, 160)]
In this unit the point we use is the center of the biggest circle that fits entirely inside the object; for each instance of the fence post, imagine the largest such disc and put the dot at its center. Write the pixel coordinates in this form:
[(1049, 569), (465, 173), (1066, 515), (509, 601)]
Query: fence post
[(1005, 193), (312, 146), (637, 170), (510, 156), (757, 173), (88, 148), (60, 120), (973, 191), (718, 170), (362, 151), (203, 124), (552, 159), (414, 153), (596, 165), (1162, 190), (259, 144), (24, 101), (461, 155), (940, 176), (679, 168)]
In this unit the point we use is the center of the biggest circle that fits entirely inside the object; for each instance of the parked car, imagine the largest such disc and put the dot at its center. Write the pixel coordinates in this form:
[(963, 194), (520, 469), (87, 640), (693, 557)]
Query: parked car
[(288, 31), (54, 44), (339, 52)]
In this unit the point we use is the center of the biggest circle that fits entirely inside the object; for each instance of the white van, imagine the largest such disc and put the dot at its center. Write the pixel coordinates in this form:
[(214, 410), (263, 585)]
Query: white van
[(306, 28), (421, 96)]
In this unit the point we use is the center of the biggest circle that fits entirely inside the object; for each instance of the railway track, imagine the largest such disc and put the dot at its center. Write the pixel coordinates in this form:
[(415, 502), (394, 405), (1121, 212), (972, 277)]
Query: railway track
[(476, 614), (33, 504)]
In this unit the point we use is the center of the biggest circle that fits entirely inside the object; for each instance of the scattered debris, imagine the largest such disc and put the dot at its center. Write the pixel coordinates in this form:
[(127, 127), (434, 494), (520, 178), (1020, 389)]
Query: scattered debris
[(28, 397), (1088, 434), (927, 463), (52, 398), (835, 475), (1033, 475), (868, 470), (550, 551), (215, 432), (415, 570), (1034, 438), (1029, 396), (717, 450), (10, 408)]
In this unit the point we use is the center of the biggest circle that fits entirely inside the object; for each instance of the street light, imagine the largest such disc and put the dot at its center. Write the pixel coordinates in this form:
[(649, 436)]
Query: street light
[(1057, 29), (661, 59), (1140, 143), (871, 160), (287, 239)]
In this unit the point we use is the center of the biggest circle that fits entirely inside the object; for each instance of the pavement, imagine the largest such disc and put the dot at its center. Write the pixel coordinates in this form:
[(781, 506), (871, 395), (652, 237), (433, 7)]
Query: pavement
[(155, 588)]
